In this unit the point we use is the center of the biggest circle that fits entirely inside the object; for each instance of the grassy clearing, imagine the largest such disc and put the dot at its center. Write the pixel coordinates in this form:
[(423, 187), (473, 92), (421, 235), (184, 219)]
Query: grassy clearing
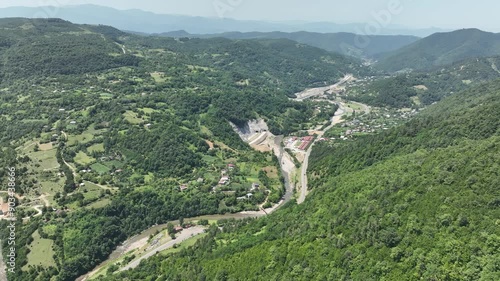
[(272, 172), (106, 96), (355, 106), (416, 100), (91, 130), (187, 243), (41, 253), (149, 178), (160, 77), (51, 187), (50, 229), (45, 159), (114, 163), (90, 190), (96, 148), (148, 110), (85, 137), (83, 159), (100, 168), (99, 204), (132, 117)]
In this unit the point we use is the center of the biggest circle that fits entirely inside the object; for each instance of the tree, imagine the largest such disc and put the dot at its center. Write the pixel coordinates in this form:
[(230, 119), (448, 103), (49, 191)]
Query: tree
[(170, 228)]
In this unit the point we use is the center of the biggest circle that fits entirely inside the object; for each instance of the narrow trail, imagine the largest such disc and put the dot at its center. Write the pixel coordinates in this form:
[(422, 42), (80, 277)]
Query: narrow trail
[(73, 170)]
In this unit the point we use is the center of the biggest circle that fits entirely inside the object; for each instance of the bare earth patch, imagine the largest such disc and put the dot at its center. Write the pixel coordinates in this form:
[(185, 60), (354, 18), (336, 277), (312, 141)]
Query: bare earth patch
[(210, 144), (421, 87), (46, 146)]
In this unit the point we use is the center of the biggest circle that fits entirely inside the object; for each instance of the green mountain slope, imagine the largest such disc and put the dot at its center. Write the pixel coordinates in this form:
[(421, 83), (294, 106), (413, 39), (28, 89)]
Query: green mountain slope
[(419, 202), (442, 49), (264, 60), (424, 88), (348, 44), (31, 47), (117, 147)]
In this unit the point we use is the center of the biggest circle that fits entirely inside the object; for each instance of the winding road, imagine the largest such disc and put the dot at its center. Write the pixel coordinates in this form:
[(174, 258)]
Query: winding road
[(336, 119), (287, 167), (183, 236)]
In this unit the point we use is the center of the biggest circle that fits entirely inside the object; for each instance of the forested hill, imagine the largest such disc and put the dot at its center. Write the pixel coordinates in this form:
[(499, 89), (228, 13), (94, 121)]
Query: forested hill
[(348, 44), (282, 63), (426, 87), (418, 202), (42, 47), (442, 49), (139, 118)]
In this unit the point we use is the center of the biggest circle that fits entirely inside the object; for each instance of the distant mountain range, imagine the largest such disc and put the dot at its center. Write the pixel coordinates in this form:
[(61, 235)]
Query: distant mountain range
[(442, 49), (344, 43), (148, 22)]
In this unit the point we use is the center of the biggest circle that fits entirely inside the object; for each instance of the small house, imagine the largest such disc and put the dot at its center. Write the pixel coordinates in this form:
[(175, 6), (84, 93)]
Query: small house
[(224, 180)]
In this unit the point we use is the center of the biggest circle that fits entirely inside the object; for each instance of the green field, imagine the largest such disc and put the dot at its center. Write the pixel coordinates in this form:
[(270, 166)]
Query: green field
[(148, 110), (106, 96), (90, 190), (100, 168), (96, 148), (46, 159), (187, 243), (83, 159), (50, 229), (85, 137), (99, 204), (159, 77), (52, 187), (132, 118), (41, 252), (149, 178), (114, 163)]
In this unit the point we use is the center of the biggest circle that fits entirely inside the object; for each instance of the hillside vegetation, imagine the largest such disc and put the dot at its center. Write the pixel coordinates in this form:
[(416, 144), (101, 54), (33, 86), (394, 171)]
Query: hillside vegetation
[(442, 49), (32, 47), (111, 133), (348, 44), (418, 202), (422, 88)]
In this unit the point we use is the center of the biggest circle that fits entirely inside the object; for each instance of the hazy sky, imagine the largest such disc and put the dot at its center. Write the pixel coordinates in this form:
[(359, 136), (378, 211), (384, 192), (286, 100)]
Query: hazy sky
[(411, 13)]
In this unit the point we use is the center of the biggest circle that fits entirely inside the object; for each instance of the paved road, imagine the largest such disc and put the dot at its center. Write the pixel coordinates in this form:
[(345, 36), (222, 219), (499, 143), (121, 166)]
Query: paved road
[(287, 168), (336, 119), (309, 93), (183, 236)]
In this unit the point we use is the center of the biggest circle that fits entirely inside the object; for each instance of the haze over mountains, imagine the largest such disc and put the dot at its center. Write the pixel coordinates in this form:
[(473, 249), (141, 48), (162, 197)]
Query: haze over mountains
[(396, 48), (148, 22), (345, 43)]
